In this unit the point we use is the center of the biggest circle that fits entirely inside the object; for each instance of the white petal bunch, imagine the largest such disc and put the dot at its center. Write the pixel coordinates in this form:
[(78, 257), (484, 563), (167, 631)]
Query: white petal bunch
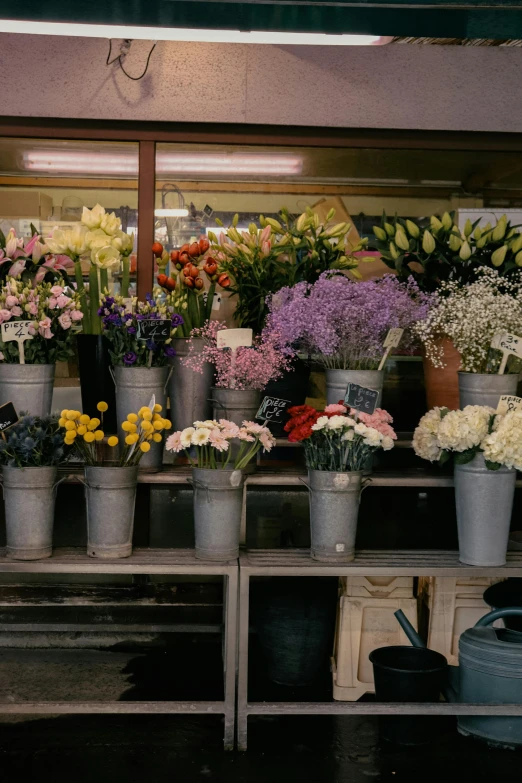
[(470, 316), (504, 445)]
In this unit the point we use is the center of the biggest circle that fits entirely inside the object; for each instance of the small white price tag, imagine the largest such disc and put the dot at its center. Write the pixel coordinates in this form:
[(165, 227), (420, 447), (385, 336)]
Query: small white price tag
[(393, 338), (19, 331), (508, 344), (508, 403), (234, 338), (216, 302)]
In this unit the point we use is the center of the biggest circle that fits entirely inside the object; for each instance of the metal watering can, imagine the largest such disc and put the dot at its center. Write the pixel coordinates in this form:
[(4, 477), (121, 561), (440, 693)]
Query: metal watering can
[(489, 672)]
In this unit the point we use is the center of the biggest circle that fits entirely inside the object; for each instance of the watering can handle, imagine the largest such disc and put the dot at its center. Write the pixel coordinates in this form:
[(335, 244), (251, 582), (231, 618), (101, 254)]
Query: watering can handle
[(497, 614)]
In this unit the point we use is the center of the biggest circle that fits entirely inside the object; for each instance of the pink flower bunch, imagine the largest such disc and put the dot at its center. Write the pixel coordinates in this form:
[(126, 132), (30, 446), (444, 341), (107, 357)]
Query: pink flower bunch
[(249, 368), (31, 255), (380, 420)]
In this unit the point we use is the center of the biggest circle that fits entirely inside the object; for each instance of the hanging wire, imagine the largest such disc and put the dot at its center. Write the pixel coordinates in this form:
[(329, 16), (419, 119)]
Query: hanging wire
[(124, 49)]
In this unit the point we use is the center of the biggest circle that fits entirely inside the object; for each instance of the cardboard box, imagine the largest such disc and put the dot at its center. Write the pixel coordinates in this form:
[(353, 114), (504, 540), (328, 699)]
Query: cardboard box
[(19, 204)]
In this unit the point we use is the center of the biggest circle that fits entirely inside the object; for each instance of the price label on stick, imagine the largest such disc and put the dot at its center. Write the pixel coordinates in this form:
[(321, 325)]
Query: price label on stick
[(216, 302), (508, 403), (508, 344), (391, 340), (234, 338), (19, 331), (155, 329), (8, 416), (361, 398), (272, 409)]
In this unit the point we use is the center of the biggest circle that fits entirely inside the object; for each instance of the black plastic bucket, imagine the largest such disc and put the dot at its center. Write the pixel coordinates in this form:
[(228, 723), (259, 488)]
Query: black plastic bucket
[(409, 674)]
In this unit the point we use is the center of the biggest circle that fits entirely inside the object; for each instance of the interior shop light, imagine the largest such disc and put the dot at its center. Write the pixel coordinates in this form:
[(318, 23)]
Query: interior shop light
[(176, 212), (188, 34)]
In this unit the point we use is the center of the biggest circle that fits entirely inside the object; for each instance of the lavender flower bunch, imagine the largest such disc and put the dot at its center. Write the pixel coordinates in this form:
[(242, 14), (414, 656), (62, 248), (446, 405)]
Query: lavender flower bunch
[(120, 326), (343, 322)]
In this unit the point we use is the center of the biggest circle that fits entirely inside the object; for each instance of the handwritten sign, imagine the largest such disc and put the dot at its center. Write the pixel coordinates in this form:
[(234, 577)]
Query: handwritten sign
[(273, 409), (508, 403), (216, 302), (234, 338), (19, 331), (508, 344), (360, 398), (155, 329), (8, 416), (391, 340)]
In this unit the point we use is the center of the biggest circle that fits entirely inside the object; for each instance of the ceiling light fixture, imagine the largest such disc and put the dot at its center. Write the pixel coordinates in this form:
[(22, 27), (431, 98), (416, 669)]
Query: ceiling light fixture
[(188, 34), (179, 212)]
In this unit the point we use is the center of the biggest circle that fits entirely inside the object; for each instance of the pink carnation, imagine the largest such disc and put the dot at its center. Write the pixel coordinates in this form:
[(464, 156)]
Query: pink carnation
[(335, 409), (380, 420)]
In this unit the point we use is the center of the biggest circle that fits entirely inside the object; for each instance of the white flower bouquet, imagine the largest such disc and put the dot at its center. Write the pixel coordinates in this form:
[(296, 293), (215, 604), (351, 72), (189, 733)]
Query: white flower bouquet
[(470, 317), (213, 439), (463, 434)]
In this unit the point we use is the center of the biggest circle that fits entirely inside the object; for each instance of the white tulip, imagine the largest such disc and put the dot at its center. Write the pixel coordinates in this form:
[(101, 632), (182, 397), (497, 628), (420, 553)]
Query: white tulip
[(123, 242), (76, 240), (92, 217), (58, 241), (110, 223), (105, 257), (97, 239)]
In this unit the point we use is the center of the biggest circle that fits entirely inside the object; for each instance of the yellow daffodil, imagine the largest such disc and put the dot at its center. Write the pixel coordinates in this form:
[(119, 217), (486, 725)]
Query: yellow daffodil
[(88, 437), (102, 407), (132, 418), (82, 429), (132, 438), (70, 425), (156, 437), (145, 447), (99, 435), (113, 441), (158, 408), (84, 419)]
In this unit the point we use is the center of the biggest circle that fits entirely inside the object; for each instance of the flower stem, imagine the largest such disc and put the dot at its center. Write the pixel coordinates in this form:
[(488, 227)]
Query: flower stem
[(125, 280), (94, 297), (78, 275)]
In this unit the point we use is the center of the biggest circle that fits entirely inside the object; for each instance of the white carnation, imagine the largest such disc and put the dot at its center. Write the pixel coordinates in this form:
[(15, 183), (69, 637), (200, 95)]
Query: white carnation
[(321, 423)]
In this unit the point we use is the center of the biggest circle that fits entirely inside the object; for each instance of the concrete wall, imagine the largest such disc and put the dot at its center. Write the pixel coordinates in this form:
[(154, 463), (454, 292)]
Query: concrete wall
[(394, 86)]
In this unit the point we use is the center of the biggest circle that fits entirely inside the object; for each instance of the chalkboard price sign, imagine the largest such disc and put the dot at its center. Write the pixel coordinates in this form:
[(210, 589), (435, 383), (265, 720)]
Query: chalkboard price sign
[(154, 329), (273, 409), (8, 416), (360, 398)]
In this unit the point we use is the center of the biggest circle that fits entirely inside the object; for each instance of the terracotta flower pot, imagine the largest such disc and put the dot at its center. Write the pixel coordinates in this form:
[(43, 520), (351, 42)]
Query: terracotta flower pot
[(442, 383)]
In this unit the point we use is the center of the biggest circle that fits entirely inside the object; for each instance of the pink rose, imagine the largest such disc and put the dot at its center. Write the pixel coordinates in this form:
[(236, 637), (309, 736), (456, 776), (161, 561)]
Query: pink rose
[(16, 310), (11, 301), (65, 320), (44, 328), (5, 315), (62, 301), (57, 290), (53, 302), (76, 315)]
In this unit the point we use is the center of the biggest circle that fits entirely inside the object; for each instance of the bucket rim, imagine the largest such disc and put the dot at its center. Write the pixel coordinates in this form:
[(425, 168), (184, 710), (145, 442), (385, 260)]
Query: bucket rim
[(443, 660)]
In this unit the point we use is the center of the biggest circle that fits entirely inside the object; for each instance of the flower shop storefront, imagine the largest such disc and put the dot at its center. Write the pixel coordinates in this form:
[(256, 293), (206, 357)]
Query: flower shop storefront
[(238, 352)]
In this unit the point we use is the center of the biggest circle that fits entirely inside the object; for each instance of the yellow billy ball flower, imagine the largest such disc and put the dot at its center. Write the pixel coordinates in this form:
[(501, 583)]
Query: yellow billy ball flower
[(147, 415), (113, 441), (156, 417), (99, 435), (84, 419), (132, 418), (143, 408), (158, 408), (145, 447), (71, 415), (132, 438), (146, 426), (93, 424), (167, 424), (126, 426), (156, 437), (102, 407), (149, 436), (61, 421), (158, 425), (70, 425), (82, 429), (68, 441), (88, 437), (64, 413)]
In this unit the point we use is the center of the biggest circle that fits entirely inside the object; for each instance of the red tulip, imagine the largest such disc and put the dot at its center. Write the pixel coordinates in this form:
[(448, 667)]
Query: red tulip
[(189, 282), (157, 249), (183, 258), (204, 245), (174, 256), (193, 271), (194, 250), (198, 282), (223, 280)]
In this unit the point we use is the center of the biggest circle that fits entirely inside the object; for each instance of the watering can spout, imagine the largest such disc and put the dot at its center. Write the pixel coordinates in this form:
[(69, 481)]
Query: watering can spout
[(408, 629)]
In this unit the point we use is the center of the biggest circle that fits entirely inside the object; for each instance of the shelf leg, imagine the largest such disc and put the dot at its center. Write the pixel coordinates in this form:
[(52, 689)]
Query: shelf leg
[(230, 585), (242, 682)]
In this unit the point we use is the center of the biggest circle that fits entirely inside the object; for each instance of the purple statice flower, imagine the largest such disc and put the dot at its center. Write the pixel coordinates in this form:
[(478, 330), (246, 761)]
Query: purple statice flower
[(169, 351), (344, 321), (151, 345), (176, 320), (129, 359), (131, 329), (140, 316)]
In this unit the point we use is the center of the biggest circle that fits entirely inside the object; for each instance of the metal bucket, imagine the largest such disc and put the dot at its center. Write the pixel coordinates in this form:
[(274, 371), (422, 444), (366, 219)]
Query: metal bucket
[(29, 495), (484, 500), (236, 405), (134, 389), (334, 508), (189, 391), (338, 380), (110, 495), (218, 503), (484, 388), (28, 386)]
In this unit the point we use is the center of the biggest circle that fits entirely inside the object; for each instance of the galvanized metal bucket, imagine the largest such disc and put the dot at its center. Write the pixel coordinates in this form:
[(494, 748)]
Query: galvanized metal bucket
[(237, 405), (334, 508), (484, 501), (135, 387), (484, 388), (189, 391), (110, 495), (338, 380), (29, 495), (28, 386), (218, 503)]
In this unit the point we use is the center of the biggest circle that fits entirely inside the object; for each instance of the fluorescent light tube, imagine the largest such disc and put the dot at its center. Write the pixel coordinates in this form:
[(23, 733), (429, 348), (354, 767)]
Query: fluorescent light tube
[(180, 212)]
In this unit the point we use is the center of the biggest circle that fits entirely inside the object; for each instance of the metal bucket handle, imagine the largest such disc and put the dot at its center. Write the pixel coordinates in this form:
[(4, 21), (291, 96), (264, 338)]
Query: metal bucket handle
[(53, 488), (196, 483), (166, 382), (497, 614)]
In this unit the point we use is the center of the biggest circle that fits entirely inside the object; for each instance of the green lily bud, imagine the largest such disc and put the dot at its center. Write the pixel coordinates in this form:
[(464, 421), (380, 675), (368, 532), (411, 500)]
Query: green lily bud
[(330, 214), (447, 221), (477, 233), (235, 220), (390, 230), (380, 233), (468, 228), (262, 221), (275, 224), (482, 242), (497, 258), (401, 240), (413, 229), (516, 244), (393, 251), (252, 228), (518, 258), (465, 251), (455, 242), (213, 238), (499, 231), (435, 223), (428, 243), (301, 221)]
